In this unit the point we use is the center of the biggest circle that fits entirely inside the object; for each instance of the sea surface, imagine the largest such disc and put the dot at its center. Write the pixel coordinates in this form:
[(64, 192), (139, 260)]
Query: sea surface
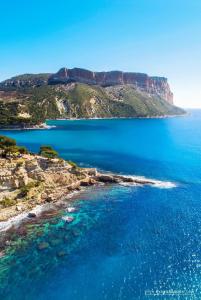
[(126, 242)]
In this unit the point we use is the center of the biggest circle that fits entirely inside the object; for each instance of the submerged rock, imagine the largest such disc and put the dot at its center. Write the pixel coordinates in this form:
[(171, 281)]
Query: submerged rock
[(2, 254), (66, 238), (61, 253), (43, 245), (55, 242)]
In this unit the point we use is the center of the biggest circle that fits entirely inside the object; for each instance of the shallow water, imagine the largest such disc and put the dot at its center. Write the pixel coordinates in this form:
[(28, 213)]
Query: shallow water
[(126, 242)]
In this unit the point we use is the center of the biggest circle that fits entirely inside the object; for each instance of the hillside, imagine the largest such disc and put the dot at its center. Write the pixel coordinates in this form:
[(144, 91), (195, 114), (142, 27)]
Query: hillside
[(29, 99)]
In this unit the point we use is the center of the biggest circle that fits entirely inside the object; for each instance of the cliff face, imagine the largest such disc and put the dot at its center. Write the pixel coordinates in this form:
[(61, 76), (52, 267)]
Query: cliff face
[(25, 81), (151, 85), (30, 99)]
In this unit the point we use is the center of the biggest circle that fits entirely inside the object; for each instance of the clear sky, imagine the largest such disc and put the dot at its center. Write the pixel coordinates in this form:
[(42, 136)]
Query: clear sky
[(158, 37)]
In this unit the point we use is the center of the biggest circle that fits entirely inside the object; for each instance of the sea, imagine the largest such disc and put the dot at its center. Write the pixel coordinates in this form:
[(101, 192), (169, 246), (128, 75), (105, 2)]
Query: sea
[(126, 242)]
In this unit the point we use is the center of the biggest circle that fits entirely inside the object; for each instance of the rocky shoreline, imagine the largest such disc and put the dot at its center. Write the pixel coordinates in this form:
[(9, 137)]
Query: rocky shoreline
[(43, 126), (31, 184)]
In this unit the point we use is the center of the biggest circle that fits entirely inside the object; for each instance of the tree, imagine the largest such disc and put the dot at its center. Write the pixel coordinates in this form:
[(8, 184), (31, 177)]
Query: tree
[(48, 151), (6, 141), (22, 150), (8, 147)]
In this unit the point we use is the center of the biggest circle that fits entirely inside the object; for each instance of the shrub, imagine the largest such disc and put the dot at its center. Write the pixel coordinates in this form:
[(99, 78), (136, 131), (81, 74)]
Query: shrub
[(73, 164), (9, 147), (22, 150), (6, 202), (48, 151), (24, 190), (19, 163), (14, 150), (6, 141)]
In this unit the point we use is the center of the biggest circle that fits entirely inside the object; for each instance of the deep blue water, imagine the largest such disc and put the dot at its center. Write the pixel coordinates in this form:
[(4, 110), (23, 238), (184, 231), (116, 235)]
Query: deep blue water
[(126, 242)]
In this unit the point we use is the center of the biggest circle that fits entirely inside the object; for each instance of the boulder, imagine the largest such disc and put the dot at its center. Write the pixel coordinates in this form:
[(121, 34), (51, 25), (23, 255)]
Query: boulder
[(107, 178), (31, 215)]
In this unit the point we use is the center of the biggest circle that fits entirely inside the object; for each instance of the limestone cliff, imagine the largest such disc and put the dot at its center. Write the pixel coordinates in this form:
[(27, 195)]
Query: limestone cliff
[(153, 85)]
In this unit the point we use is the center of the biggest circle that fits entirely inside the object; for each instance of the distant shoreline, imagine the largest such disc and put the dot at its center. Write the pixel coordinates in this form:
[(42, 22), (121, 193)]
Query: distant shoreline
[(44, 126), (122, 118), (34, 127)]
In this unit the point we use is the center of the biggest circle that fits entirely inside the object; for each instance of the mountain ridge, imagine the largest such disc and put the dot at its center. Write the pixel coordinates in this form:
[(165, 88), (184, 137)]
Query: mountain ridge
[(29, 99)]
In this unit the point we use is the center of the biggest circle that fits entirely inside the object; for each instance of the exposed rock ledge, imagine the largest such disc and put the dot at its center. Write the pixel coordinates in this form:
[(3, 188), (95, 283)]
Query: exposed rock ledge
[(31, 181)]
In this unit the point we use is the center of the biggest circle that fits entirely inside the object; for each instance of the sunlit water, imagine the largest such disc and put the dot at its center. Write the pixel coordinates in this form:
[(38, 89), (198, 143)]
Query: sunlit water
[(126, 242)]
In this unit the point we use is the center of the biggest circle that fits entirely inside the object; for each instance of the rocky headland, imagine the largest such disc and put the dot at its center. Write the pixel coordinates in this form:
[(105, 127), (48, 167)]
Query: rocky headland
[(28, 100), (32, 180)]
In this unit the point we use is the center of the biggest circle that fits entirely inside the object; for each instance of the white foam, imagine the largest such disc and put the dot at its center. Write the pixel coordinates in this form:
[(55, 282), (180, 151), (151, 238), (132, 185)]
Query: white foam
[(16, 220), (153, 182)]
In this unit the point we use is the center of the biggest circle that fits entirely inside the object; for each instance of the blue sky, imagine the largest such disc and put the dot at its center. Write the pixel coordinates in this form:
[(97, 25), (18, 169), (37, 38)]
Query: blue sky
[(159, 37)]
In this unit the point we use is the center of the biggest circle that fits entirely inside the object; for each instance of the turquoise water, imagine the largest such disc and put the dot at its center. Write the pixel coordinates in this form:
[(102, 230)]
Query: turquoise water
[(126, 242)]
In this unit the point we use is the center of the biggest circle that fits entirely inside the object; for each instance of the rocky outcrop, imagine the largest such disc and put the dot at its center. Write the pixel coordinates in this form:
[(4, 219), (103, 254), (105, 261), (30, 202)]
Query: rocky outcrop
[(152, 85), (25, 81), (31, 180)]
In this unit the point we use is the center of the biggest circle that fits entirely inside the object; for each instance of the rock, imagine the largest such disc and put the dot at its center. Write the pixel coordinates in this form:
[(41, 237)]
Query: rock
[(39, 233), (31, 215), (44, 196), (3, 218), (107, 178), (152, 85), (22, 231), (61, 253), (49, 214), (85, 182), (53, 222), (66, 238), (49, 199), (31, 80), (55, 242), (19, 208), (43, 245), (75, 233), (93, 181)]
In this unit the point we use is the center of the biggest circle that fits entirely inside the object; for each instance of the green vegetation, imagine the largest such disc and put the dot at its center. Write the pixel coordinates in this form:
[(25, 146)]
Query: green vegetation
[(32, 77), (6, 141), (48, 151), (26, 188), (6, 202), (8, 147), (29, 105), (72, 163), (140, 104)]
